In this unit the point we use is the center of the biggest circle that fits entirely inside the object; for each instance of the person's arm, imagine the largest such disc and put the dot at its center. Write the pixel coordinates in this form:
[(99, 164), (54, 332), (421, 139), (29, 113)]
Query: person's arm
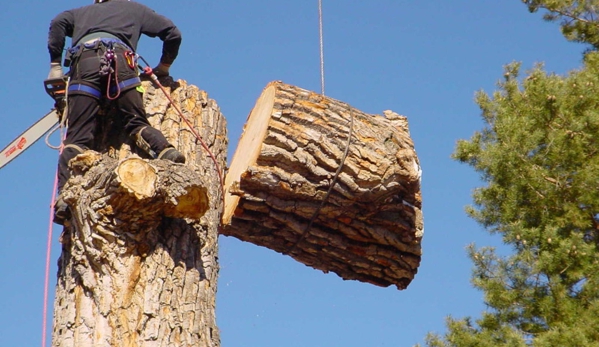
[(155, 25), (60, 27)]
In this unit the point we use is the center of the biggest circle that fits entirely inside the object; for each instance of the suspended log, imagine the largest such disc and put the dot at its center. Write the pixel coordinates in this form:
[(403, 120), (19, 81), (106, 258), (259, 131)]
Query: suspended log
[(329, 185)]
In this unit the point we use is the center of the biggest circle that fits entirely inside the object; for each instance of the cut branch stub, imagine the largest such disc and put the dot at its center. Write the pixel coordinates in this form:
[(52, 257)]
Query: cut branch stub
[(333, 187), (138, 177), (168, 189)]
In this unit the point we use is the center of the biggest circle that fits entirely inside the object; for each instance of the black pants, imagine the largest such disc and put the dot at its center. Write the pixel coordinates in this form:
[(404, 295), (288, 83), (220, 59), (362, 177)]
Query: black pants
[(83, 109)]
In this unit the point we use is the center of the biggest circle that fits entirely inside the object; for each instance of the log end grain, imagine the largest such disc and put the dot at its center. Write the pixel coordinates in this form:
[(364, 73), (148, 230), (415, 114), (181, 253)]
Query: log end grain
[(193, 204), (248, 148), (138, 177)]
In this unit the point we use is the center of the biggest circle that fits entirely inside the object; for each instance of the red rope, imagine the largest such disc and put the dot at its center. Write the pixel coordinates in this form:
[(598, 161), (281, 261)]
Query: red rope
[(116, 81), (149, 72)]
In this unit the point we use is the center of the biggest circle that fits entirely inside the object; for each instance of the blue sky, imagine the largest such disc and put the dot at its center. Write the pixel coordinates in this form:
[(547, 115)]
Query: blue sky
[(422, 59)]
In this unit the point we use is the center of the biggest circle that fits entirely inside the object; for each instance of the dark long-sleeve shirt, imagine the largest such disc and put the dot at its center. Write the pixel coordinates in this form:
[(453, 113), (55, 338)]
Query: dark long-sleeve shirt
[(127, 20)]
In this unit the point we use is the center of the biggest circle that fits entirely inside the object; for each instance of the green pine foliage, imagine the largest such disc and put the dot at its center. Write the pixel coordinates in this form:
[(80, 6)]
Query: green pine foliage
[(538, 155), (578, 18)]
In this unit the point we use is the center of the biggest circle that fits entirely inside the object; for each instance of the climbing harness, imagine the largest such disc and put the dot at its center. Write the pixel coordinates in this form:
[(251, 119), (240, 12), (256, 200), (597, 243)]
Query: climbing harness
[(113, 89), (108, 64)]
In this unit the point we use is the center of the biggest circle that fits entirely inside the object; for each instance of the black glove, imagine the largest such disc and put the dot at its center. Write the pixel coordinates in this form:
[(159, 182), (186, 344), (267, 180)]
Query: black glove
[(161, 70)]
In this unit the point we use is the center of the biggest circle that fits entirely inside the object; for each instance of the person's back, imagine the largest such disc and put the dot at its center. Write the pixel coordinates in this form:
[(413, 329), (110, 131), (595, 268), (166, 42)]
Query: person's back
[(104, 68), (127, 20)]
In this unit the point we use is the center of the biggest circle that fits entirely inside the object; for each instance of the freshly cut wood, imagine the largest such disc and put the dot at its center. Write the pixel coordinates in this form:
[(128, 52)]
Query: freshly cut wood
[(329, 185)]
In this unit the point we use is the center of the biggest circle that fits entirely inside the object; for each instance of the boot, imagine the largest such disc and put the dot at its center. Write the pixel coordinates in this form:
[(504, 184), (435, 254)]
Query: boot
[(151, 141), (172, 154), (61, 211), (69, 152)]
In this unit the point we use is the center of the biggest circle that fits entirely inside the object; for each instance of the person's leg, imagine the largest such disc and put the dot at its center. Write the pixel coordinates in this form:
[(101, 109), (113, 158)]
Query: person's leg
[(83, 105), (81, 121), (151, 140)]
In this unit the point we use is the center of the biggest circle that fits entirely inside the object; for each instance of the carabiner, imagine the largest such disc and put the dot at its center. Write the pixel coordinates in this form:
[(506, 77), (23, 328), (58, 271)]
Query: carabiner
[(131, 59)]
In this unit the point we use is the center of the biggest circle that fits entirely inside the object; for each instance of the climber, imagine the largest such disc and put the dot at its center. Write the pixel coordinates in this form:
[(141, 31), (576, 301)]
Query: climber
[(103, 69)]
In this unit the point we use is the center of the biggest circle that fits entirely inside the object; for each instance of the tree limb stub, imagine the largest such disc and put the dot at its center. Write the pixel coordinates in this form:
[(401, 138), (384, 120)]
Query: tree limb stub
[(292, 188), (168, 189)]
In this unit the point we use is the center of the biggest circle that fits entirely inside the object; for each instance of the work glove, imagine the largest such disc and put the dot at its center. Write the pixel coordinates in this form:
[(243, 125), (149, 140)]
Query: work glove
[(55, 71), (161, 70)]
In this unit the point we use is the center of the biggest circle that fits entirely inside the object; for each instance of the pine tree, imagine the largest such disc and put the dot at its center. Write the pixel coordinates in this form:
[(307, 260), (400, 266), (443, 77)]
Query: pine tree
[(538, 155), (578, 18)]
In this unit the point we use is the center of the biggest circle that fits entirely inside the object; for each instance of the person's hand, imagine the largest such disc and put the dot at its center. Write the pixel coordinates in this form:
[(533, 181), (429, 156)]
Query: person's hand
[(55, 71), (161, 70)]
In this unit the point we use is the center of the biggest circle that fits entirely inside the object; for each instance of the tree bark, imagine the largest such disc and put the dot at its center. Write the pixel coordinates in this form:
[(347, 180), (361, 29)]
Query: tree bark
[(139, 258), (327, 184)]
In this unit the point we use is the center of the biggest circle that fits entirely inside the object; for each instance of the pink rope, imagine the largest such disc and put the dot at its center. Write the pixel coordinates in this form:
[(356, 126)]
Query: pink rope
[(49, 247), (47, 274)]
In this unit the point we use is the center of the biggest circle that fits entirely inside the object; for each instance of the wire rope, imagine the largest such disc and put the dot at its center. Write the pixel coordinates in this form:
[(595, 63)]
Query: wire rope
[(331, 186), (321, 37)]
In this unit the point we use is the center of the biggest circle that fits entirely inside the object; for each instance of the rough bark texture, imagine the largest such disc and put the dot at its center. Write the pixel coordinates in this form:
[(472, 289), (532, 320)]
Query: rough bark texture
[(139, 260), (292, 151)]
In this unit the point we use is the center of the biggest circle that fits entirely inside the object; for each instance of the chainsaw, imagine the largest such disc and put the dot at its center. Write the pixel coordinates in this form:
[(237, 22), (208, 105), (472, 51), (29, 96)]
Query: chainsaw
[(56, 88)]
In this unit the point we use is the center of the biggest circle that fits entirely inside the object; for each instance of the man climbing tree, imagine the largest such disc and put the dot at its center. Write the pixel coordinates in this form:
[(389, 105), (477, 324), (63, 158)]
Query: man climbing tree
[(539, 155), (103, 67)]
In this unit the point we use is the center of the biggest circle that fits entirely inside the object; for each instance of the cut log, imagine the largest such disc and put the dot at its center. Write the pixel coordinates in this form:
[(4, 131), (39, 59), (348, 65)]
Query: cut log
[(329, 185)]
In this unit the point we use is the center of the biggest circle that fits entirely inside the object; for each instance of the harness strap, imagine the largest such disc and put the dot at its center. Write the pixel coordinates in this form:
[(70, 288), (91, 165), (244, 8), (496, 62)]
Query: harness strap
[(94, 36), (92, 42), (124, 84), (78, 87)]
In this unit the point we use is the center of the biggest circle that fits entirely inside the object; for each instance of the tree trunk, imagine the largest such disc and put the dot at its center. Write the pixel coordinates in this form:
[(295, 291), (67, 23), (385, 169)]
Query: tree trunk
[(330, 186), (139, 259)]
